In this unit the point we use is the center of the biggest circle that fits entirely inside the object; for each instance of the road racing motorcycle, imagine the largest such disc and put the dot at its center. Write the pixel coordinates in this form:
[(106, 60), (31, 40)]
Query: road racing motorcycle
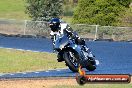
[(74, 54)]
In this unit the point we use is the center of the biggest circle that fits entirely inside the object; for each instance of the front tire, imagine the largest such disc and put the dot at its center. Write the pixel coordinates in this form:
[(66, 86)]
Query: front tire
[(73, 66)]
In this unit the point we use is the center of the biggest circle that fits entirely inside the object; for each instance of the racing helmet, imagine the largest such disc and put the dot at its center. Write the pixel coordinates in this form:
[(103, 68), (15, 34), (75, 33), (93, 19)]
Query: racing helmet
[(54, 24)]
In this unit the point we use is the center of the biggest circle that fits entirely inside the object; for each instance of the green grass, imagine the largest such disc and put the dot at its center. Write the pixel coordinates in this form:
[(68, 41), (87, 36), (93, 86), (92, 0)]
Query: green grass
[(13, 9), (21, 61), (96, 86)]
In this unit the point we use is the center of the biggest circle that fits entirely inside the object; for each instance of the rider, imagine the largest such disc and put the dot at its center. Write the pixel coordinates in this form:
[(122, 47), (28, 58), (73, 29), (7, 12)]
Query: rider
[(59, 28)]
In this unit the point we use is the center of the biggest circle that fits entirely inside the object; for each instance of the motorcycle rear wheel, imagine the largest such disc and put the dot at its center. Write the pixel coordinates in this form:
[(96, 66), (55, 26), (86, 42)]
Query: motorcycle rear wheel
[(91, 65)]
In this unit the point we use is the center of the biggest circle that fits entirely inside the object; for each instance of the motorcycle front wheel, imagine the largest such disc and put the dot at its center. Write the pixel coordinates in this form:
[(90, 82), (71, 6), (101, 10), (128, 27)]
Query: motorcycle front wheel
[(71, 60)]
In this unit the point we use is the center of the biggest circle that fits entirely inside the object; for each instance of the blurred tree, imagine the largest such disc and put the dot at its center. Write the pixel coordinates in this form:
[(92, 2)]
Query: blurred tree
[(68, 7), (44, 9), (125, 3), (70, 1), (102, 12), (75, 1), (126, 19)]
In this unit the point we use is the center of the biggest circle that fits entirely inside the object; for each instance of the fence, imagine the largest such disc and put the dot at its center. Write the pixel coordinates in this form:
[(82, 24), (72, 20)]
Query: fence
[(40, 28), (104, 32), (24, 27)]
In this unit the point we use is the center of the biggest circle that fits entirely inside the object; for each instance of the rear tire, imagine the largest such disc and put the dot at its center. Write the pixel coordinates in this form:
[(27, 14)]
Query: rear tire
[(69, 63), (91, 65)]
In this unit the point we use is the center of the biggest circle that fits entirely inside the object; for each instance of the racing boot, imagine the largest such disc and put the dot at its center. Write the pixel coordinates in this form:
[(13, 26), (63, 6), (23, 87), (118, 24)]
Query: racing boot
[(60, 58)]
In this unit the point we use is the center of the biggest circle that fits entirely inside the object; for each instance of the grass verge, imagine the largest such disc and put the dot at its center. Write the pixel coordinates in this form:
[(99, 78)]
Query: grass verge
[(55, 83), (13, 9), (21, 61), (96, 86)]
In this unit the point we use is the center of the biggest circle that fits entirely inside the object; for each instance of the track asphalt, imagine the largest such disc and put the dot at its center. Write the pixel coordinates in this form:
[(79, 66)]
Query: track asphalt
[(114, 57)]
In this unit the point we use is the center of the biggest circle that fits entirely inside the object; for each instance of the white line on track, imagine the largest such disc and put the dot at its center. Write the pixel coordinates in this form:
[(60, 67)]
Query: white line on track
[(24, 73), (1, 74), (21, 49), (46, 71), (58, 70), (12, 74), (37, 72)]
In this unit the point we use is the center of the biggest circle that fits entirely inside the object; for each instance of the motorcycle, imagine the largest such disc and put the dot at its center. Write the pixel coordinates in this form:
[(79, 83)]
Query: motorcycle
[(73, 53)]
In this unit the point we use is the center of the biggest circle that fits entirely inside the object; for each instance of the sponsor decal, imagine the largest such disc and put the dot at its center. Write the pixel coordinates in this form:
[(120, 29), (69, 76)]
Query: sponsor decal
[(83, 78)]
